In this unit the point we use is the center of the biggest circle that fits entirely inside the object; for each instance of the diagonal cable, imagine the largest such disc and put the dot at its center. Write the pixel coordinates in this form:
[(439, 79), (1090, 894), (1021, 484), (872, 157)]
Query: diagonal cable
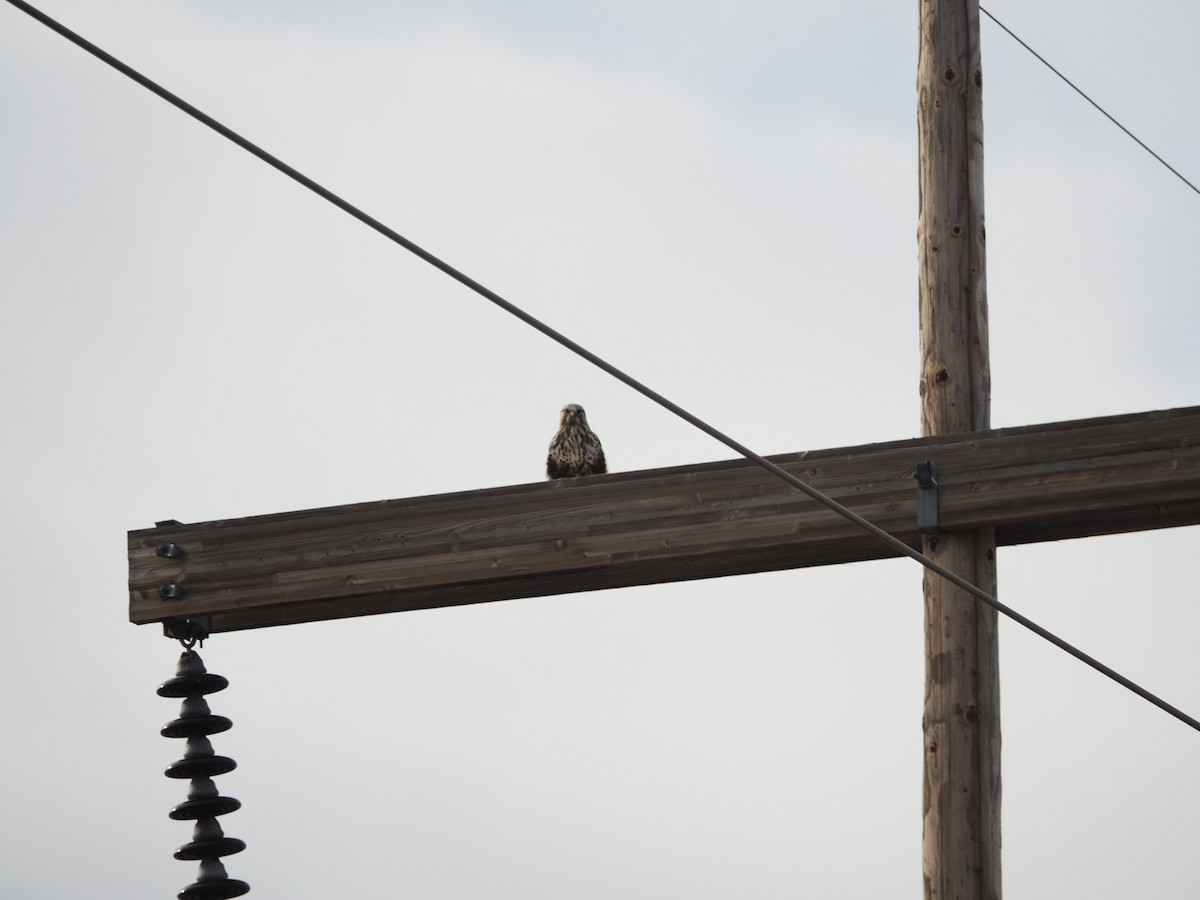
[(1077, 90), (891, 541)]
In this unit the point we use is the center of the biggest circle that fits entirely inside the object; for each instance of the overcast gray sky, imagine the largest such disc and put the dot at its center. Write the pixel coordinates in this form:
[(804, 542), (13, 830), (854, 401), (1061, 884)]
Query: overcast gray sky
[(722, 199)]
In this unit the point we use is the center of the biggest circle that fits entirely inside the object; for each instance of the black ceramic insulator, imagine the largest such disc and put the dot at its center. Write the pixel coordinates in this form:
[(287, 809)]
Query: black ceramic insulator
[(209, 842), (192, 685), (213, 884), (210, 880), (199, 760), (199, 763), (196, 850), (204, 808), (194, 720), (194, 726), (214, 890), (191, 679), (204, 802), (206, 766)]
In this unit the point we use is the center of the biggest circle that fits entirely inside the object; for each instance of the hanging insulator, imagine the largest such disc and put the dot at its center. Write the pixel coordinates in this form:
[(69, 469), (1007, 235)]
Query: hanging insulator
[(200, 764)]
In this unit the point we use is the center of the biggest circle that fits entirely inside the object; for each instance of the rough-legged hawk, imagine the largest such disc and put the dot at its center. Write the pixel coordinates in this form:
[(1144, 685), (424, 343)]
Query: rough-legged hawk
[(575, 449)]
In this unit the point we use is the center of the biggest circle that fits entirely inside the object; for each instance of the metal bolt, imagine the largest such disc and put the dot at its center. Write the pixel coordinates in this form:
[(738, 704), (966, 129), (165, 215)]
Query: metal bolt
[(170, 591), (167, 550)]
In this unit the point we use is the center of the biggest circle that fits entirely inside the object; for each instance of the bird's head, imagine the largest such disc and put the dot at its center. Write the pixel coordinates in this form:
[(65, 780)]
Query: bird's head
[(572, 414)]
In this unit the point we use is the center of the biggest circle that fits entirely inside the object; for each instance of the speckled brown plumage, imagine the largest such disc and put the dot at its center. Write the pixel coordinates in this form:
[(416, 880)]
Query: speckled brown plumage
[(575, 450)]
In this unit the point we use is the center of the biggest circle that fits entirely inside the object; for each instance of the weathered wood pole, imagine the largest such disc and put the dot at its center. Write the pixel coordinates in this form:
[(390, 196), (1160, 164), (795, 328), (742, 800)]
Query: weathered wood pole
[(961, 724)]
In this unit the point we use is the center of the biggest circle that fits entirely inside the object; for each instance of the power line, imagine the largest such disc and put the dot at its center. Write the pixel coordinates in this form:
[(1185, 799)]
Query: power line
[(893, 542), (1077, 90)]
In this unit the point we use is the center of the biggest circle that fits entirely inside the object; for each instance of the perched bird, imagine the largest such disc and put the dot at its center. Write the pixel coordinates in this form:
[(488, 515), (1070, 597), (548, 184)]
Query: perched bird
[(575, 449)]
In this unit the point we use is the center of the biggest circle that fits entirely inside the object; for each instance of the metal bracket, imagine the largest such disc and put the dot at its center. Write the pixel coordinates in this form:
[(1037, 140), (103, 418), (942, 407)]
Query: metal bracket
[(187, 631), (928, 516)]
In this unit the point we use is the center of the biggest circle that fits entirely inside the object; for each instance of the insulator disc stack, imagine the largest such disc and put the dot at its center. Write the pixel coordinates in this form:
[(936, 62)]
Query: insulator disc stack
[(195, 723)]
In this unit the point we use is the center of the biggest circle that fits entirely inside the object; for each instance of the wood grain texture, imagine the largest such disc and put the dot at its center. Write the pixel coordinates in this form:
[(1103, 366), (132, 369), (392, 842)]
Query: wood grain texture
[(1033, 483), (961, 788)]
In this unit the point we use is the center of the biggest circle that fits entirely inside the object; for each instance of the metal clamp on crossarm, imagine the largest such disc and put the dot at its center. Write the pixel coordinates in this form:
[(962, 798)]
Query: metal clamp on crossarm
[(188, 632), (928, 520)]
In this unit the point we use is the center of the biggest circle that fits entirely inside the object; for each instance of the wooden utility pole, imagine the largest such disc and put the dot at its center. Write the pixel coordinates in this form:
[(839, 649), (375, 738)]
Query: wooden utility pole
[(961, 724)]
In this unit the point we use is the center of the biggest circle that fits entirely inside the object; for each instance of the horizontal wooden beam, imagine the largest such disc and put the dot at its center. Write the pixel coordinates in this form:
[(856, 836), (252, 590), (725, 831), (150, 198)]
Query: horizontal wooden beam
[(1036, 483)]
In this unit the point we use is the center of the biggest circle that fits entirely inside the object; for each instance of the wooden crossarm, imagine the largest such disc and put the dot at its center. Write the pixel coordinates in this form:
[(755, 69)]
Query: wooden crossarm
[(1034, 483)]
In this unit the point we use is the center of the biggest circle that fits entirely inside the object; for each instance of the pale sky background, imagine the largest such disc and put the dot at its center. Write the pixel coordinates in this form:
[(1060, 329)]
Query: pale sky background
[(720, 197)]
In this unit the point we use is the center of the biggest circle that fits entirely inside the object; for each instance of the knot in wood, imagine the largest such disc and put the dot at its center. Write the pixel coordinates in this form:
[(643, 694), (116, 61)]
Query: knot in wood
[(950, 74)]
